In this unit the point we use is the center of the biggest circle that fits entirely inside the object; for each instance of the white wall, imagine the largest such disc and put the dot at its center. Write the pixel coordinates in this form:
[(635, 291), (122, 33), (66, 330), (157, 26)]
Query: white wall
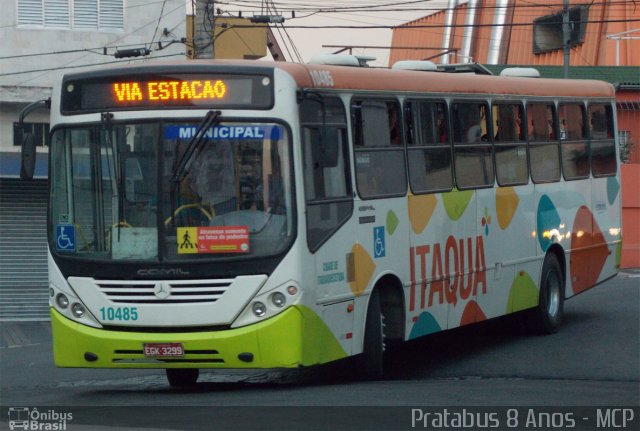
[(18, 76)]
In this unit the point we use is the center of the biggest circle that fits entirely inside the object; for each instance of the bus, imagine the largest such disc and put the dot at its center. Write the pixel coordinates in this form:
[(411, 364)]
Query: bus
[(248, 215)]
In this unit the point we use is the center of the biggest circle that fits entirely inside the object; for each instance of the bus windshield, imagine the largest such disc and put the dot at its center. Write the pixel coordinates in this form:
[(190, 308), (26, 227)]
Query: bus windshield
[(116, 196)]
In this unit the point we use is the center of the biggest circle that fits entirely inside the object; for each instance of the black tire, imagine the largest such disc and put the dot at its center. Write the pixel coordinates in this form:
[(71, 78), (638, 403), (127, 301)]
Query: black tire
[(182, 377), (547, 316), (370, 363)]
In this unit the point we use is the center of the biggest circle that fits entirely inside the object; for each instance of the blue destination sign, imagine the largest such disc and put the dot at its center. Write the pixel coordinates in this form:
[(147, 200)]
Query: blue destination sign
[(225, 132)]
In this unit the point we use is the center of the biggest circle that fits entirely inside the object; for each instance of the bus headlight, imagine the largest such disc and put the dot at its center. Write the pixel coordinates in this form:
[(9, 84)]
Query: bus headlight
[(62, 301), (78, 310), (259, 309), (278, 299), (272, 301)]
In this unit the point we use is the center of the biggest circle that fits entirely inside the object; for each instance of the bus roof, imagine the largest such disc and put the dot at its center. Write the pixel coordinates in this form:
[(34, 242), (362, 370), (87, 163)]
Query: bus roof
[(363, 78), (314, 76)]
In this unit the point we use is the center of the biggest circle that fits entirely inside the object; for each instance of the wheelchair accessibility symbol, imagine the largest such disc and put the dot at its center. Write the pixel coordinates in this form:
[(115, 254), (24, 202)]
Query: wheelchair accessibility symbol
[(65, 237), (378, 242)]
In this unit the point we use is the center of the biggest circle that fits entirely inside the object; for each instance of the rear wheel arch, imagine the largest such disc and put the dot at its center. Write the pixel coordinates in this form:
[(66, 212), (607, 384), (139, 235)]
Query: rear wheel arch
[(392, 305)]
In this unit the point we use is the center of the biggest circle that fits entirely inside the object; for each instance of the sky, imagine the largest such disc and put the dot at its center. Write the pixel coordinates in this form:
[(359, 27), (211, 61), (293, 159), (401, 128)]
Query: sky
[(310, 41)]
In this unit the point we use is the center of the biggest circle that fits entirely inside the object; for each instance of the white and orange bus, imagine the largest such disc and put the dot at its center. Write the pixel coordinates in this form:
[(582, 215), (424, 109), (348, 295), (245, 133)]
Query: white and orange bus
[(215, 214)]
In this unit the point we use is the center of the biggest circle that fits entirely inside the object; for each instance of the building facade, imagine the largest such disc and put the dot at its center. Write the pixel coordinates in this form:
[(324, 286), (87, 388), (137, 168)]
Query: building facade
[(41, 40)]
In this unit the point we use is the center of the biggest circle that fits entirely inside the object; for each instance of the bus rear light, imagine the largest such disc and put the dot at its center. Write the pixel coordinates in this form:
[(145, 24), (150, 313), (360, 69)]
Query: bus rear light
[(62, 301)]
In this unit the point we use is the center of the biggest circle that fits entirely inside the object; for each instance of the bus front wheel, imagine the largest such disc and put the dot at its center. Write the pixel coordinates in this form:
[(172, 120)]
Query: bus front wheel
[(370, 363), (547, 316), (182, 377)]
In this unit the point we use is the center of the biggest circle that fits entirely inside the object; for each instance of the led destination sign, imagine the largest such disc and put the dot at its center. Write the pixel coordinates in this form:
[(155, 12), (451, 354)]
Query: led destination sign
[(94, 94), (134, 91)]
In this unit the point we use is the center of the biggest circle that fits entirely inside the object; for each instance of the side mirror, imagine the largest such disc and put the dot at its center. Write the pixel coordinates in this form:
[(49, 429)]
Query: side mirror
[(28, 157)]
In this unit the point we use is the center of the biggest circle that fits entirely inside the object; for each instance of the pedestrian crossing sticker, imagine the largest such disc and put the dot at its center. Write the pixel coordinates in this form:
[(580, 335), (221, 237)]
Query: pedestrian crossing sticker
[(213, 239)]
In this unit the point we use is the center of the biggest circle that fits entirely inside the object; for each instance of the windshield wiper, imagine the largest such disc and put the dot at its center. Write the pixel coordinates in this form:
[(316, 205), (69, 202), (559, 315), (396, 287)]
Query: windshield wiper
[(181, 168)]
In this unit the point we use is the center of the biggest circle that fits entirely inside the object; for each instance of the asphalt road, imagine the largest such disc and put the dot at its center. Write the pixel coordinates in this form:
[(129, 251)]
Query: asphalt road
[(482, 371)]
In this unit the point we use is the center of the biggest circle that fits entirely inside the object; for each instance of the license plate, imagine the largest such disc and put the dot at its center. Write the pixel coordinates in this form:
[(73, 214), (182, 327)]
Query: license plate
[(155, 350)]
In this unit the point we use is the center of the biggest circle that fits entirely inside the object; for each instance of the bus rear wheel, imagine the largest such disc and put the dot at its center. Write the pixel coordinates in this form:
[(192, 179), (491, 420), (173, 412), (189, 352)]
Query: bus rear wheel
[(369, 365), (547, 316), (182, 377)]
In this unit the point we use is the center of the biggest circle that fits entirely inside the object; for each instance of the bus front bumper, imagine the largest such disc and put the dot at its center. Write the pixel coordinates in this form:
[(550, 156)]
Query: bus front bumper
[(296, 337)]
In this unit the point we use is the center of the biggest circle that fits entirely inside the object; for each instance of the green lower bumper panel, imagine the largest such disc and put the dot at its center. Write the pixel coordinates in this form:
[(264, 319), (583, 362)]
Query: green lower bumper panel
[(296, 337)]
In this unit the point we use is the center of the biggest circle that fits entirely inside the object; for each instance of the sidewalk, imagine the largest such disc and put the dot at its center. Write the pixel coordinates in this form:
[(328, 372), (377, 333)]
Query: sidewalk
[(21, 333)]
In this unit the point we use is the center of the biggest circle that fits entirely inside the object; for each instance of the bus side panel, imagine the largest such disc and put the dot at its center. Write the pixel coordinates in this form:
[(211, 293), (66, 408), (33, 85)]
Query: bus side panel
[(382, 231), (561, 218), (447, 262), (506, 218), (467, 238), (606, 227), (330, 278), (428, 219)]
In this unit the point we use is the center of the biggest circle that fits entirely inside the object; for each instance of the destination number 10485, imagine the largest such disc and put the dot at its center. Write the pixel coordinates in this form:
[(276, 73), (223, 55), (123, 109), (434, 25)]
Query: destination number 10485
[(119, 313)]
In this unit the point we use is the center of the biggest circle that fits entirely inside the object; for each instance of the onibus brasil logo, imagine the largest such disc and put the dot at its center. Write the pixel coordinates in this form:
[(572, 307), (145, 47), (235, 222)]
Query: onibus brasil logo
[(32, 419)]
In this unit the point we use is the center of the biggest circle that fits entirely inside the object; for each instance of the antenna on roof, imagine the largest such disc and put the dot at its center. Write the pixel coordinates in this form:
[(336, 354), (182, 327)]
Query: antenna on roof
[(526, 72), (425, 66), (342, 60)]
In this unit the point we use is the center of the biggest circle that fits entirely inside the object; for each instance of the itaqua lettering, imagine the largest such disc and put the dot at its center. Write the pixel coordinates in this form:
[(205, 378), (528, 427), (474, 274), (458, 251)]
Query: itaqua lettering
[(448, 281)]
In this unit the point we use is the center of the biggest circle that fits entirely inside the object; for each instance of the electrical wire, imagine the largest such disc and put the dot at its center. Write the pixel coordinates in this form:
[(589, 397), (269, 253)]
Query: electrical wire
[(49, 69), (110, 43), (283, 29), (351, 10), (323, 11), (393, 7), (164, 2)]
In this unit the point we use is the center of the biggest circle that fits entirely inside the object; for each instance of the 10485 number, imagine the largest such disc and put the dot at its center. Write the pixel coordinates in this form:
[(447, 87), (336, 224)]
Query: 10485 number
[(119, 313)]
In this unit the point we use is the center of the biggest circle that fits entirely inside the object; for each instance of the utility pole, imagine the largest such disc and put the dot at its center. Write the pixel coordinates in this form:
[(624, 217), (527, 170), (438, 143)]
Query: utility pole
[(566, 38), (203, 22)]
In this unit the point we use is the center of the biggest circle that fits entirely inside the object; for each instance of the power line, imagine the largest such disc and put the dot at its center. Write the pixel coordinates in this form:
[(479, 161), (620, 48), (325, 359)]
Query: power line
[(293, 45), (390, 27), (393, 7), (49, 69), (164, 2), (73, 51), (116, 40)]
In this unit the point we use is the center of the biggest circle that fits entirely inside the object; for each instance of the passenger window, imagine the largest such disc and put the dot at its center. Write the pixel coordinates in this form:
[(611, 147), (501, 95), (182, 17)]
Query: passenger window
[(603, 147), (573, 143), (544, 154), (327, 180), (428, 146), (472, 148), (510, 144), (379, 153)]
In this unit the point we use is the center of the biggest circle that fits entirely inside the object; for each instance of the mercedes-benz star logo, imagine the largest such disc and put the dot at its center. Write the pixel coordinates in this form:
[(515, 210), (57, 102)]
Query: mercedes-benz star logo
[(161, 290)]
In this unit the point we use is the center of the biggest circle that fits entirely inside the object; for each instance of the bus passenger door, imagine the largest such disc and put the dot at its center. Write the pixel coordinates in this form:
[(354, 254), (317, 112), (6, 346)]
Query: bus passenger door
[(382, 227), (330, 231)]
